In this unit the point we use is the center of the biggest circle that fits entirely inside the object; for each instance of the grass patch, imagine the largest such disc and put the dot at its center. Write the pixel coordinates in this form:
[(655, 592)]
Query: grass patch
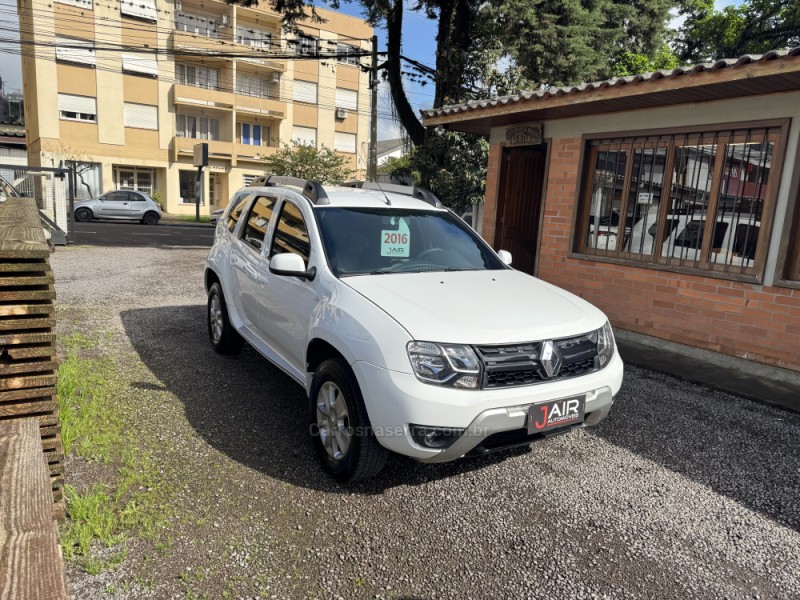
[(203, 218), (93, 427)]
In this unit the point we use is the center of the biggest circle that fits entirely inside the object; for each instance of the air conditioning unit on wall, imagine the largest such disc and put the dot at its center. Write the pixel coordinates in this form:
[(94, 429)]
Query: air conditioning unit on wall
[(341, 113), (224, 20), (276, 78)]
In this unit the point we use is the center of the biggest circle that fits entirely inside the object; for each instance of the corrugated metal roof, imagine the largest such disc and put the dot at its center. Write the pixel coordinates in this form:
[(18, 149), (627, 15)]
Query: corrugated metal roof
[(571, 90)]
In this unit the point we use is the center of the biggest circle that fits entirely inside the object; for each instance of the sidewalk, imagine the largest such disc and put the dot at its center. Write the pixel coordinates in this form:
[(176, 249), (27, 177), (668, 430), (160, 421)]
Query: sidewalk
[(757, 381), (170, 219)]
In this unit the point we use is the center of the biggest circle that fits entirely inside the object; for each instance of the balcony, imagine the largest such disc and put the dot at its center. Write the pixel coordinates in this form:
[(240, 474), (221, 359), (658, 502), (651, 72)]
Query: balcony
[(182, 147), (183, 40), (255, 105), (266, 62), (249, 153), (188, 95)]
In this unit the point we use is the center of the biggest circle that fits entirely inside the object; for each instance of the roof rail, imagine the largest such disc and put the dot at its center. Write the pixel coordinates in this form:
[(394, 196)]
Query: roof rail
[(396, 188), (312, 190)]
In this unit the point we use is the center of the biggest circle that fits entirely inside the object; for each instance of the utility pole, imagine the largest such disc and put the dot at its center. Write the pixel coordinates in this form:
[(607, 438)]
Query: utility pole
[(372, 166)]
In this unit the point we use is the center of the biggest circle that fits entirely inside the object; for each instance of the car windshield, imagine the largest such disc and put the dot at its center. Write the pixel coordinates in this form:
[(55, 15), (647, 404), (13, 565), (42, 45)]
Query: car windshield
[(376, 241)]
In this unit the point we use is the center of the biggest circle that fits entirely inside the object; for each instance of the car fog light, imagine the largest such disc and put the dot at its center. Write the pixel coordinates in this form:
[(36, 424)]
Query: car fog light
[(466, 381), (435, 437)]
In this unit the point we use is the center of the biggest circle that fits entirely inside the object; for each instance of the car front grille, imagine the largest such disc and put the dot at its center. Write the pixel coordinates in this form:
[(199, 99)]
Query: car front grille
[(519, 364)]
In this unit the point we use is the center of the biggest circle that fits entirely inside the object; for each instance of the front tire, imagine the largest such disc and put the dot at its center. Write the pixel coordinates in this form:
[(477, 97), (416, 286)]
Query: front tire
[(343, 437), (224, 338), (83, 215)]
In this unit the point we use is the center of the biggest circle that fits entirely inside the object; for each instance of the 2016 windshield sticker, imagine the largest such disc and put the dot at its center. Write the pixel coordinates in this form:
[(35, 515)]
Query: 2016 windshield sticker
[(396, 242)]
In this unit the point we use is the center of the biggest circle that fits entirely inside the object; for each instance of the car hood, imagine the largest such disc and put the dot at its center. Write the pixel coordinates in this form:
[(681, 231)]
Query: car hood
[(478, 307)]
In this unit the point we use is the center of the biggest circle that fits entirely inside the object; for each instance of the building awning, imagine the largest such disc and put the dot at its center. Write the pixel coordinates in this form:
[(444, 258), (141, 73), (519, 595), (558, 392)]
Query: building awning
[(750, 75)]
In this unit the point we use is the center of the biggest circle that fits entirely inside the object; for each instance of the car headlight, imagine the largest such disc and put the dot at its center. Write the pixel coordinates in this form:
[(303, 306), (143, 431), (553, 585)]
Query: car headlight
[(445, 364), (605, 344)]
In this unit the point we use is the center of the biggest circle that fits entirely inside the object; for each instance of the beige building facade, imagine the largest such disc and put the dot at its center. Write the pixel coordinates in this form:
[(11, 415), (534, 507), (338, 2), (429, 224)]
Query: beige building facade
[(129, 88)]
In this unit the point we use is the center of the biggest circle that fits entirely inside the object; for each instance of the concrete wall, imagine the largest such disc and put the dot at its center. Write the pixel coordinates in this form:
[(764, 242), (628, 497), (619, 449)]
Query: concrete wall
[(755, 321)]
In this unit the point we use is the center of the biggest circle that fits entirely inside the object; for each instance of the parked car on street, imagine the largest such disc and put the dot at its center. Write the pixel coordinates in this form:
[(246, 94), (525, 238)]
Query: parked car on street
[(214, 216), (120, 205), (407, 331)]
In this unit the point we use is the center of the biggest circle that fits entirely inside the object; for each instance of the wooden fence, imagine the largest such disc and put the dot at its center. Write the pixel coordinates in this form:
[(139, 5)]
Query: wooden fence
[(28, 361)]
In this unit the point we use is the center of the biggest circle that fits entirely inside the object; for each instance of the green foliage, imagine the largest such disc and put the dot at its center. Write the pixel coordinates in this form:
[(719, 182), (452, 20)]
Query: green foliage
[(306, 162), (452, 165), (630, 63), (752, 27), (395, 164), (156, 195)]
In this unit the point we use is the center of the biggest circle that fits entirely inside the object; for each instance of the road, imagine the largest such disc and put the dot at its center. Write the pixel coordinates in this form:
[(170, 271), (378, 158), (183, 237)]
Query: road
[(683, 492), (123, 233)]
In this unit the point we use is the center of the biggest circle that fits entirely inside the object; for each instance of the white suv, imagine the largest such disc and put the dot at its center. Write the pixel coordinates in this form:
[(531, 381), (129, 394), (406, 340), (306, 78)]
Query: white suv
[(407, 331)]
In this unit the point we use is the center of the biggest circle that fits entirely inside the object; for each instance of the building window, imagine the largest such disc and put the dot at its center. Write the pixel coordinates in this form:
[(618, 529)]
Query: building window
[(253, 36), (135, 179), (344, 142), (140, 64), (306, 44), (197, 127), (187, 183), (254, 135), (689, 201), (252, 85), (304, 136), (202, 77), (196, 24), (342, 51), (347, 99), (141, 9), (305, 91), (140, 116), (79, 52), (77, 108)]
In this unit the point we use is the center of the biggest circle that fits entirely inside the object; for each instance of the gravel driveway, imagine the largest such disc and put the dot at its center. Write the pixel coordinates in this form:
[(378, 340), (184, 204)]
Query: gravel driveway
[(682, 492)]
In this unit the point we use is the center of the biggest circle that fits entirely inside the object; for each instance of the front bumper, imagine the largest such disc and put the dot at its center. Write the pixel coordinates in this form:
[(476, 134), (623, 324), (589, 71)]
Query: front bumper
[(394, 400)]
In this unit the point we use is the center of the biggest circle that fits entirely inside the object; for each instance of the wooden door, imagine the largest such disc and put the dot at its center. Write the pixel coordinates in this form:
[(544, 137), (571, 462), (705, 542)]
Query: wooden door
[(520, 204)]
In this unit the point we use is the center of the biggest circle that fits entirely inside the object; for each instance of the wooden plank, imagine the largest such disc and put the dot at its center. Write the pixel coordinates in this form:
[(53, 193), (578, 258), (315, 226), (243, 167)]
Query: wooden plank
[(27, 381), (31, 566), (25, 267), (51, 443), (28, 366), (13, 339), (45, 393), (23, 280), (27, 408), (7, 310), (21, 352), (16, 324), (23, 296)]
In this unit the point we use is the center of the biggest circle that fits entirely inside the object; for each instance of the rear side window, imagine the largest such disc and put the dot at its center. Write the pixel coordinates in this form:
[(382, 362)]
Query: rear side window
[(236, 210), (258, 220), (292, 233)]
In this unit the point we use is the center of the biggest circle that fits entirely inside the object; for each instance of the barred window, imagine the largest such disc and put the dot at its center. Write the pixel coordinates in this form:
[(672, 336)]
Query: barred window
[(690, 201)]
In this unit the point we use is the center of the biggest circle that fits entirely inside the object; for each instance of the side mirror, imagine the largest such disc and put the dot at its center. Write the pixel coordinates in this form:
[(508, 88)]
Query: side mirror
[(505, 256), (291, 265)]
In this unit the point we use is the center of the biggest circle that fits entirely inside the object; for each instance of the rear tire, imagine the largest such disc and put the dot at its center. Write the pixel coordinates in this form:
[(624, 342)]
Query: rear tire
[(150, 218), (342, 434), (83, 215), (224, 338)]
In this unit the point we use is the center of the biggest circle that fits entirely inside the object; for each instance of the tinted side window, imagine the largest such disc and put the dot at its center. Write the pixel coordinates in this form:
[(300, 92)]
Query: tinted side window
[(117, 197), (236, 210), (744, 244), (692, 236), (137, 197), (292, 233), (257, 221)]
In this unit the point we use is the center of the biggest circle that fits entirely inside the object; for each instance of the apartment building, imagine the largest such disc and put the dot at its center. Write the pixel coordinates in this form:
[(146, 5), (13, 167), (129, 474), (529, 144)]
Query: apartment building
[(131, 86)]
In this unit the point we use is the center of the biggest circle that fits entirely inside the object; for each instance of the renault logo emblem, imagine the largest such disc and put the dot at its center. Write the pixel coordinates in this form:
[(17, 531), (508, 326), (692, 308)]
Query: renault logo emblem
[(551, 358)]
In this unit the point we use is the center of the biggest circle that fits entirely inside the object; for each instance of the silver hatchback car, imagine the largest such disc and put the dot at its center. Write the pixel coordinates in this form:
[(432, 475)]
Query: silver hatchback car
[(119, 205)]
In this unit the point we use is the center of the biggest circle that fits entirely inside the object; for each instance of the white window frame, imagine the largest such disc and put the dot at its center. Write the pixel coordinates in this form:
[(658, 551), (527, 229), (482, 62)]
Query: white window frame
[(347, 99), (140, 9), (303, 134), (83, 55), (253, 85), (140, 116), (345, 49), (266, 132), (197, 24), (344, 142), (137, 173), (306, 44), (83, 107), (203, 127), (202, 76), (302, 91), (141, 64)]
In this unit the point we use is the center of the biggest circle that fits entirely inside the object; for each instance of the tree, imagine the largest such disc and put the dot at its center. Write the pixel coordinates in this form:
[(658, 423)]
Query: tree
[(306, 162), (630, 63), (753, 27)]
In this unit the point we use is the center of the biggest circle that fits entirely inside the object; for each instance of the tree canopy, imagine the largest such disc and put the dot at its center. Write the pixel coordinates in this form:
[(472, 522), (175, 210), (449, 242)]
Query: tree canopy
[(307, 162)]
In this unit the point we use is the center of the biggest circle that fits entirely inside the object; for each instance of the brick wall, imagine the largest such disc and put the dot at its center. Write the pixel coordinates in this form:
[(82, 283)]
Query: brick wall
[(742, 319)]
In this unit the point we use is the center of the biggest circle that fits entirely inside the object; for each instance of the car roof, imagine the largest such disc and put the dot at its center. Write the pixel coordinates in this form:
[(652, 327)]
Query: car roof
[(349, 197)]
